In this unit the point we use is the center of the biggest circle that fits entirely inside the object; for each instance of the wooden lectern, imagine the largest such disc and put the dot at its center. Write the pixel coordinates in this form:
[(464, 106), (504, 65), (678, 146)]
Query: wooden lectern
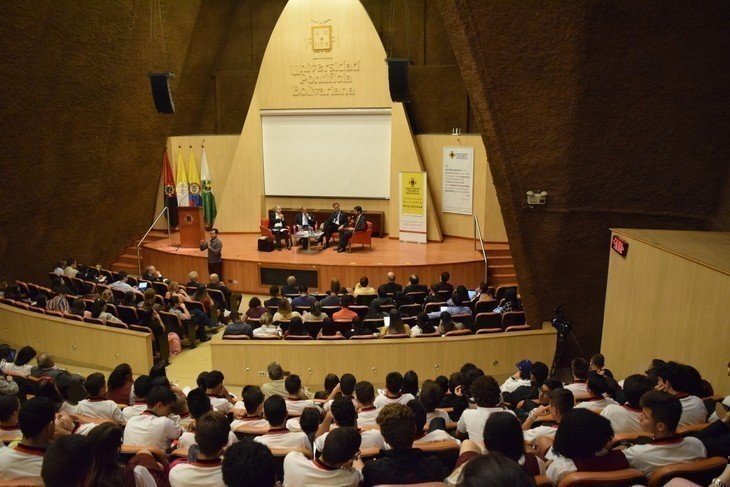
[(191, 226)]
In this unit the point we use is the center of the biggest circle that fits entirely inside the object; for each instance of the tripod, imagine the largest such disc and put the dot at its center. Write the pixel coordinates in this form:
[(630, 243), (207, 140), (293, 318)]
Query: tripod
[(560, 347)]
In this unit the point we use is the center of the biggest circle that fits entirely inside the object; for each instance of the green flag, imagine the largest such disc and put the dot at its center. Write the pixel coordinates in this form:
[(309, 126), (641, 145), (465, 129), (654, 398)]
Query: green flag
[(209, 209)]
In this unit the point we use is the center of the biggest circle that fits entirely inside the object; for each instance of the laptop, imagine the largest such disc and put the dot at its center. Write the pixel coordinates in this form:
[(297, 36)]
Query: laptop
[(472, 294), (142, 286)]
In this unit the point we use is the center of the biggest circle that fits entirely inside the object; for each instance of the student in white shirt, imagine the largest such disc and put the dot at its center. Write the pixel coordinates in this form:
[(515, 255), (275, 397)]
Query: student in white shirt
[(660, 416), (627, 418), (9, 410), (393, 385), (295, 405), (249, 464), (596, 387), (36, 420), (252, 415), (367, 413), (344, 415), (334, 467), (486, 393), (346, 387), (579, 368), (198, 405), (502, 434), (561, 401), (430, 397), (68, 462), (278, 435), (520, 378), (97, 406), (153, 427), (211, 436), (142, 386), (683, 382), (436, 431), (220, 399)]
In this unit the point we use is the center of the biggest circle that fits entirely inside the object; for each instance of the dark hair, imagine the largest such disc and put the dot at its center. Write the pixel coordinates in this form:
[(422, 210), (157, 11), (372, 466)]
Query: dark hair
[(364, 392), (397, 425), (419, 414), (553, 384), (274, 290), (562, 399), (77, 307), (358, 208), (463, 293), (540, 371), (364, 281), (25, 355), (309, 420), (582, 434), (446, 322), (330, 382), (158, 369), (596, 383), (443, 383), (636, 386), (495, 470), (198, 403), (118, 376), (410, 383), (455, 380), (430, 395), (129, 299), (160, 394), (41, 300), (296, 327), (579, 367), (94, 383), (249, 464), (252, 399), (394, 382), (598, 360), (340, 446), (395, 327), (413, 279), (35, 414), (503, 433), (293, 384), (510, 296), (683, 378), (105, 439), (97, 307), (8, 406), (424, 323), (254, 302), (347, 384), (665, 408), (214, 230), (335, 286), (68, 462), (200, 380), (211, 432), (445, 276), (213, 379), (303, 288), (275, 410), (346, 300), (47, 389), (485, 391), (343, 411), (142, 386)]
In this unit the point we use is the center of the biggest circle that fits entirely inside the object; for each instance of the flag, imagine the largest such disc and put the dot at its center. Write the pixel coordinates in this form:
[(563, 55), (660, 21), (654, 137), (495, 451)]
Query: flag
[(182, 180), (169, 184), (209, 209), (195, 198)]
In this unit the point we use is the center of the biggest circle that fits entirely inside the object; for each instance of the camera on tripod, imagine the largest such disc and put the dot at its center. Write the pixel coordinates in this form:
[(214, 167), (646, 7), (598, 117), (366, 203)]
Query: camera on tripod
[(560, 323)]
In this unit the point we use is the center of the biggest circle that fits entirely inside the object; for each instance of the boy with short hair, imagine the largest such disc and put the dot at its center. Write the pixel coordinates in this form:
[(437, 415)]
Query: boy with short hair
[(68, 462), (344, 415), (36, 421), (97, 406), (367, 413), (211, 436), (249, 464), (198, 405), (294, 404), (153, 427), (434, 433), (142, 386), (9, 409), (561, 402), (674, 378), (626, 418), (333, 467), (278, 435), (393, 385), (346, 387), (579, 368), (220, 399), (486, 393), (253, 402)]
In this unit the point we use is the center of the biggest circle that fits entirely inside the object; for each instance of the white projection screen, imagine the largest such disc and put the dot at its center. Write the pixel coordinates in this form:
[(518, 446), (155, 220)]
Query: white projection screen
[(327, 153)]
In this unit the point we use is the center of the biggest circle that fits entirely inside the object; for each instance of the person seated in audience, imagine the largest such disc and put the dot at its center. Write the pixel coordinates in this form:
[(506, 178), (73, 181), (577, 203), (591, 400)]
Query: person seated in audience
[(130, 299), (483, 293), (485, 392), (333, 295), (410, 383), (345, 388), (177, 306), (201, 295), (522, 393), (307, 423), (391, 287), (285, 313), (71, 268), (274, 300), (267, 327), (446, 323), (393, 395), (363, 287), (455, 398), (249, 464), (98, 310), (278, 435), (661, 413), (444, 284), (13, 291), (315, 314), (121, 283), (330, 381), (375, 312), (36, 422), (510, 302), (541, 437), (402, 464), (97, 406), (9, 410), (304, 300), (290, 288), (60, 266), (395, 325), (436, 431), (214, 282), (276, 386), (627, 418), (495, 470), (579, 369), (238, 326), (153, 427), (456, 305), (296, 327), (683, 381), (716, 436), (344, 415), (598, 364), (63, 379), (175, 289), (383, 299), (337, 465), (345, 313), (149, 300), (59, 301), (581, 443), (250, 411), (413, 286), (219, 395), (367, 413), (78, 308), (423, 325), (518, 379), (294, 403), (142, 469), (526, 406), (41, 301), (119, 384), (463, 294), (68, 462), (142, 387), (255, 310), (193, 280), (211, 436), (430, 397), (598, 387), (151, 274)]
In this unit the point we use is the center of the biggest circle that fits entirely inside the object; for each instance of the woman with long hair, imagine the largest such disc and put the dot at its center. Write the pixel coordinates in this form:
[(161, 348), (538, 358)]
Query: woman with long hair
[(396, 325), (201, 295), (447, 324), (423, 325), (315, 314), (284, 312), (119, 384), (175, 289)]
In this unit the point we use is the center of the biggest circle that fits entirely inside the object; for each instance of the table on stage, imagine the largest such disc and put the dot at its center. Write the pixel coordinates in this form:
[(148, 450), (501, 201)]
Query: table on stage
[(308, 238)]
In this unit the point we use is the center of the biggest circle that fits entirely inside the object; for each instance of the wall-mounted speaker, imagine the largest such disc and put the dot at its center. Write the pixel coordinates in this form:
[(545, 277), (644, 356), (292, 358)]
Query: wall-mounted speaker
[(159, 82), (398, 79)]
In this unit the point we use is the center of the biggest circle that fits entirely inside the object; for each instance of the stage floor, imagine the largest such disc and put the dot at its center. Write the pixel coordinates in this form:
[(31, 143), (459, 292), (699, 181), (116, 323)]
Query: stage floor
[(243, 262)]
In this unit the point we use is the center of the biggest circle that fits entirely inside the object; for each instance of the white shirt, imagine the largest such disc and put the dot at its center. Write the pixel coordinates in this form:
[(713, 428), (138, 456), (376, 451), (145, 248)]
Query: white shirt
[(624, 419), (251, 422), (511, 384), (293, 424), (578, 389), (20, 462), (472, 421), (266, 331), (693, 411), (596, 405), (11, 369), (436, 435), (187, 439), (648, 458), (221, 404), (134, 410), (283, 438), (150, 430), (328, 404), (98, 409), (294, 407), (368, 417), (437, 414), (207, 473), (559, 468), (533, 434), (370, 439), (300, 471), (383, 400)]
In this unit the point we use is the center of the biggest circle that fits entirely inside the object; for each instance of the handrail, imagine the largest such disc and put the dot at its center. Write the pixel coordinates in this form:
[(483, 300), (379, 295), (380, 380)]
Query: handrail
[(139, 260), (478, 230)]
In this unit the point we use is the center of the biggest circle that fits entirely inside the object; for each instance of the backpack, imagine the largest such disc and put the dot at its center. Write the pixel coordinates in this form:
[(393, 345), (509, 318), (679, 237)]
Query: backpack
[(173, 339)]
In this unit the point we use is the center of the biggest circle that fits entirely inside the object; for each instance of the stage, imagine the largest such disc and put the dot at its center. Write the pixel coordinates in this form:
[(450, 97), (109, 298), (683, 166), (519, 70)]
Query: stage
[(247, 270)]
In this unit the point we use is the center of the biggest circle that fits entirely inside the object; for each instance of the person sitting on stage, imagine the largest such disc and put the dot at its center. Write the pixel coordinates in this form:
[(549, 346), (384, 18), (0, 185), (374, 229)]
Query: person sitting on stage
[(334, 223), (304, 219), (363, 287), (358, 225), (333, 295), (277, 224), (290, 288), (274, 299), (304, 299)]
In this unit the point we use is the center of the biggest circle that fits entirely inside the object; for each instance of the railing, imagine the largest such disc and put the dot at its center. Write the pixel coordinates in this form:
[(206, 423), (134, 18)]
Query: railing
[(163, 212), (478, 231)]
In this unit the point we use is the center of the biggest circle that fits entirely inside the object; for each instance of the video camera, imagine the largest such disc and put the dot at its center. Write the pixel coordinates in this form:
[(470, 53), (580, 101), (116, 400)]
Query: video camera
[(560, 323)]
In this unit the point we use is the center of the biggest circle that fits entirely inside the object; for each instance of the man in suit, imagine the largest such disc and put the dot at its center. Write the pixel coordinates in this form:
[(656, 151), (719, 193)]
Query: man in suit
[(334, 223), (359, 225), (304, 220)]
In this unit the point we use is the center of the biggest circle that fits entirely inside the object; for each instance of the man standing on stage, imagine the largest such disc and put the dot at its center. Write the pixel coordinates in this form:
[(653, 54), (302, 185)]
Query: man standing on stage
[(335, 223), (358, 226), (215, 249)]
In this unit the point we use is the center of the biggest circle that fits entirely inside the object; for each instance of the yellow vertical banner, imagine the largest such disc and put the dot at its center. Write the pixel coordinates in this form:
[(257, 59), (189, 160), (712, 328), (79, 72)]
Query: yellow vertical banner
[(412, 187)]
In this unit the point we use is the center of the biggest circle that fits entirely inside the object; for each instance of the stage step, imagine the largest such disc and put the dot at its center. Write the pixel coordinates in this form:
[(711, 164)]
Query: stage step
[(128, 268), (128, 258)]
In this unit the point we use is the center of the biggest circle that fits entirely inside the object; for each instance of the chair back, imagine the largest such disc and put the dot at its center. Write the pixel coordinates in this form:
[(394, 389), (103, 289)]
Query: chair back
[(72, 317), (615, 478), (50, 312), (330, 310), (336, 336), (465, 319), (417, 296), (373, 323), (369, 336), (429, 335), (298, 337), (488, 331), (456, 333), (433, 307), (446, 450), (700, 471), (121, 326), (487, 320), (235, 337), (485, 306), (93, 321), (342, 326), (410, 309), (513, 318), (128, 314), (396, 335), (218, 297), (502, 290), (360, 309), (517, 328), (160, 288), (444, 294), (36, 309), (365, 299), (22, 305)]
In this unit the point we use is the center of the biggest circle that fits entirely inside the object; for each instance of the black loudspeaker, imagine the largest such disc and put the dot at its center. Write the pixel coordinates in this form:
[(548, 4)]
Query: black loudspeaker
[(398, 79), (159, 82)]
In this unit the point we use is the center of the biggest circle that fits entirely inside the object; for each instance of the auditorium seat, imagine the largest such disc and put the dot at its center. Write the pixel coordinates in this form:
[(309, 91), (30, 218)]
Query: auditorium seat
[(173, 323), (365, 299), (502, 290), (433, 307), (409, 320), (457, 333), (364, 237), (373, 323), (244, 432), (513, 318), (336, 336), (54, 313), (24, 289), (444, 294), (485, 306), (410, 309), (283, 324), (254, 322), (360, 309), (364, 337), (160, 288), (616, 478), (298, 337), (36, 309), (517, 328), (112, 309), (267, 337), (486, 331), (235, 337), (465, 319), (128, 314), (488, 320), (396, 335), (387, 307), (699, 471), (417, 296), (302, 309), (446, 450), (83, 287), (218, 297), (542, 481), (118, 295), (72, 317), (429, 335), (342, 326), (7, 301), (93, 321), (22, 305), (313, 328), (330, 310), (191, 305), (121, 326)]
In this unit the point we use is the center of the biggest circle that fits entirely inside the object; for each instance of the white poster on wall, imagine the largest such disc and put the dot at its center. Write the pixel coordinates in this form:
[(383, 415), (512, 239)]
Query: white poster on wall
[(457, 185)]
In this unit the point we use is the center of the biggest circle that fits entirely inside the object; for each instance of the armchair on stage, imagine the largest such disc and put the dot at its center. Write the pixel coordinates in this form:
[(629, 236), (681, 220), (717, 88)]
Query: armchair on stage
[(267, 232), (363, 237)]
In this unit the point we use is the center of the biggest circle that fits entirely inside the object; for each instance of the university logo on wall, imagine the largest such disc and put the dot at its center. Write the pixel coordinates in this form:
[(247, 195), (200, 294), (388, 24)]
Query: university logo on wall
[(322, 38)]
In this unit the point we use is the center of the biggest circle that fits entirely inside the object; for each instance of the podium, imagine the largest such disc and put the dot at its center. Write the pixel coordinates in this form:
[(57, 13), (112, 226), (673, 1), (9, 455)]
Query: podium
[(192, 229)]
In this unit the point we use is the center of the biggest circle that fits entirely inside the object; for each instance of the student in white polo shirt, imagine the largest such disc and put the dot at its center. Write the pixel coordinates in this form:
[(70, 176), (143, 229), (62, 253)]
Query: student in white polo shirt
[(683, 381), (579, 368), (295, 405), (660, 416), (220, 399), (520, 378), (97, 406), (68, 462), (393, 385), (142, 386), (278, 435), (561, 401), (346, 387), (486, 393), (211, 436), (367, 413), (153, 427), (626, 418), (198, 405), (430, 397), (596, 387), (335, 465), (36, 420), (344, 415), (9, 410), (252, 415), (436, 431), (249, 464)]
